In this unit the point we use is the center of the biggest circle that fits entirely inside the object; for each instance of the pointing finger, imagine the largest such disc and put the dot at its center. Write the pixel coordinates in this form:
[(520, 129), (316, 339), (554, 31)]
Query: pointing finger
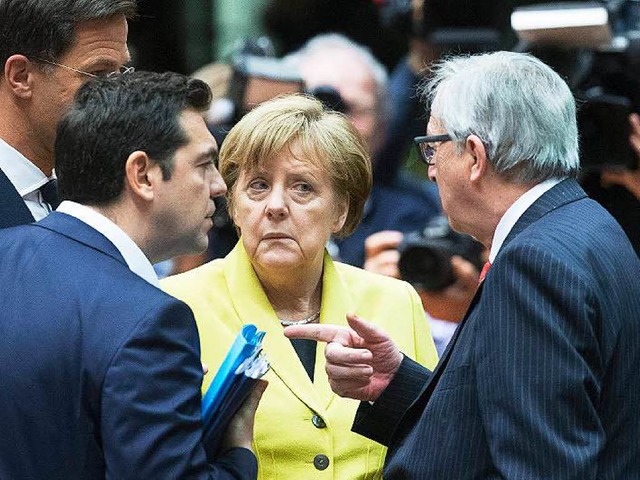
[(320, 333), (368, 331)]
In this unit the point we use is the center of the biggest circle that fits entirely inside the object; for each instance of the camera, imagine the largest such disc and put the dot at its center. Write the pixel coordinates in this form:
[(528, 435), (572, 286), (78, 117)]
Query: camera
[(596, 47), (425, 257), (257, 79)]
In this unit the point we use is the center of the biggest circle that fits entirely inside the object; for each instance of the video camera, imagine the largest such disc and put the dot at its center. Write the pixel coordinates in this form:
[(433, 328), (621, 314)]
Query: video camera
[(596, 46), (258, 76), (425, 257)]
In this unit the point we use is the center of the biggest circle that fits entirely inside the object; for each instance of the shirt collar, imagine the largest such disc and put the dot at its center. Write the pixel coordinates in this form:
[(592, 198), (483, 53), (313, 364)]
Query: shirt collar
[(137, 262), (515, 211), (22, 173)]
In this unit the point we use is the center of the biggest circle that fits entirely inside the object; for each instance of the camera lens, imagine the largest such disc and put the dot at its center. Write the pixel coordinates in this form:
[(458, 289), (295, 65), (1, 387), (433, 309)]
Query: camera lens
[(426, 267)]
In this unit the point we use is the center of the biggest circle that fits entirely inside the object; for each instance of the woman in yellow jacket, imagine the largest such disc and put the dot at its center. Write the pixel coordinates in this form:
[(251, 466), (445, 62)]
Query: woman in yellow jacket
[(296, 175)]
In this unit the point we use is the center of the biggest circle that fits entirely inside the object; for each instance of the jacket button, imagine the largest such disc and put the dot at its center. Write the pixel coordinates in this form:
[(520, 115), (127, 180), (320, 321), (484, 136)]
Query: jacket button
[(321, 462), (318, 422)]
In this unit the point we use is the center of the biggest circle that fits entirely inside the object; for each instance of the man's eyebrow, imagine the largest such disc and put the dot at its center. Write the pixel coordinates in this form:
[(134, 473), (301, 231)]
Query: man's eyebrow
[(210, 154)]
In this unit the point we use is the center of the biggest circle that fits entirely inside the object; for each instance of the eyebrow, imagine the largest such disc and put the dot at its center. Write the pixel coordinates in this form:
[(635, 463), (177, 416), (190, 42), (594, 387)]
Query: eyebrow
[(210, 154), (105, 62)]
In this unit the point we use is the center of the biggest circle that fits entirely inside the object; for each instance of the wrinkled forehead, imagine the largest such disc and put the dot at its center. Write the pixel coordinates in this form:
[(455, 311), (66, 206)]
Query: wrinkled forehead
[(302, 154)]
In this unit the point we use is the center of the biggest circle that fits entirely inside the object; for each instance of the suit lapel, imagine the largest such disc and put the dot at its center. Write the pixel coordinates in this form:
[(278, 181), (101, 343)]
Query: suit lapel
[(252, 306), (80, 232), (336, 303), (13, 210), (427, 390), (564, 192)]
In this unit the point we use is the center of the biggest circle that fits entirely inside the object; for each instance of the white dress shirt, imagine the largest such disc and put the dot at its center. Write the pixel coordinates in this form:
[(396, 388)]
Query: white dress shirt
[(26, 178), (133, 256), (515, 211)]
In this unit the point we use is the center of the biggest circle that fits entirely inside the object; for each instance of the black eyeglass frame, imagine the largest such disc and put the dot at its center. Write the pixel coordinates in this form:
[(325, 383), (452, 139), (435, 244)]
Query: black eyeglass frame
[(427, 152)]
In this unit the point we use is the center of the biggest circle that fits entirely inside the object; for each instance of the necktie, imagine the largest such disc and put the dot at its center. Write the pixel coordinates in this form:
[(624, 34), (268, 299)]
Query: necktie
[(49, 192), (483, 272)]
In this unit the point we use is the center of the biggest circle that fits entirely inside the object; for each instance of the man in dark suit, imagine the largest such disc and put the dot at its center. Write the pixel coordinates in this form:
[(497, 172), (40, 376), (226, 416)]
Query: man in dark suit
[(541, 378), (100, 369), (49, 48)]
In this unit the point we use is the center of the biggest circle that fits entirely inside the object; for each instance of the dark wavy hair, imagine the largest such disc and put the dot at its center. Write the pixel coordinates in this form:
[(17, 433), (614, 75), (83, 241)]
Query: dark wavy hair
[(111, 118)]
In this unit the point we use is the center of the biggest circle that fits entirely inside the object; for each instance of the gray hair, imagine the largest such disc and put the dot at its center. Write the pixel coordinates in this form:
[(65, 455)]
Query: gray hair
[(519, 107), (46, 28), (327, 42)]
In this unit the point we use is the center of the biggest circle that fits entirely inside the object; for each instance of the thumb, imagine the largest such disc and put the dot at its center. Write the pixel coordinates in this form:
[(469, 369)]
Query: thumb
[(367, 331), (256, 394)]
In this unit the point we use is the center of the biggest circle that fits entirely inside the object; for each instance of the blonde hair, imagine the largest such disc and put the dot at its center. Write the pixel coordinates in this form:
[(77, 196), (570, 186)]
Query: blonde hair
[(326, 138)]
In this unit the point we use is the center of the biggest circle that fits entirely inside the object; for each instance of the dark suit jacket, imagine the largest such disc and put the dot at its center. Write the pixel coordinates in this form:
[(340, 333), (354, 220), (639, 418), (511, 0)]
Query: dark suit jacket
[(13, 210), (100, 371), (541, 380)]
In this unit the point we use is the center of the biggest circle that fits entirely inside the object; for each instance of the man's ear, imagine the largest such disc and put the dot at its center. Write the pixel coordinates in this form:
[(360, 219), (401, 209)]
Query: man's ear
[(19, 73), (142, 175), (479, 161)]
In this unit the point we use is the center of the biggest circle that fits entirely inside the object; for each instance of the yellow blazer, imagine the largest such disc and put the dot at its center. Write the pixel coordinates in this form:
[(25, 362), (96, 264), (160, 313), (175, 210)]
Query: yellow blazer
[(289, 442)]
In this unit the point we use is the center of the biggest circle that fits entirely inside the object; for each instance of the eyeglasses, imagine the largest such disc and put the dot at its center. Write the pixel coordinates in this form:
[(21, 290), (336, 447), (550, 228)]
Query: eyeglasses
[(425, 146), (121, 70)]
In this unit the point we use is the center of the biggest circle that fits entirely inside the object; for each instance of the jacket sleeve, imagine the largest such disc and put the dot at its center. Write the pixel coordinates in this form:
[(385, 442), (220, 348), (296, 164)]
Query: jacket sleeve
[(379, 420), (151, 412)]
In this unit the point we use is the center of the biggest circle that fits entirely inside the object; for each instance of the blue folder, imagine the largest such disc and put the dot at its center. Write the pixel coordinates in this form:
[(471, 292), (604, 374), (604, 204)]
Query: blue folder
[(232, 384)]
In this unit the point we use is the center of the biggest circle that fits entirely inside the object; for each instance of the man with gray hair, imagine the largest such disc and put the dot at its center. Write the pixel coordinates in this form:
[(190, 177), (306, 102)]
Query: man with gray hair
[(48, 49), (541, 378)]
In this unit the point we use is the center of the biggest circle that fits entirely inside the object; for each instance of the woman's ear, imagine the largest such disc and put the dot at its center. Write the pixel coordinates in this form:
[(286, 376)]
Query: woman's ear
[(142, 175), (479, 161), (341, 211)]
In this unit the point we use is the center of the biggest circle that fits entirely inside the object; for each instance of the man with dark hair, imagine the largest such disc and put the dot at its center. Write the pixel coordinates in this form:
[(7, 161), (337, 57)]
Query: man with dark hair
[(100, 369), (48, 49)]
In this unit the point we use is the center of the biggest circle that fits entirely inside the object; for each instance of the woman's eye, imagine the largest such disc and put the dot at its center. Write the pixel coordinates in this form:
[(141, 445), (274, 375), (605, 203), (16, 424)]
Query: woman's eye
[(303, 187), (258, 185)]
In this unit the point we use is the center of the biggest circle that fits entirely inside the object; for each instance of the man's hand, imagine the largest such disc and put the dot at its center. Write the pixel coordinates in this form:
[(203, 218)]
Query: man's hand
[(452, 303), (381, 254), (361, 360), (240, 430), (630, 179)]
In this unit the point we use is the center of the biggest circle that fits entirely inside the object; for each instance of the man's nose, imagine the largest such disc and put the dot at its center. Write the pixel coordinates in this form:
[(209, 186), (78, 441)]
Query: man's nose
[(217, 187)]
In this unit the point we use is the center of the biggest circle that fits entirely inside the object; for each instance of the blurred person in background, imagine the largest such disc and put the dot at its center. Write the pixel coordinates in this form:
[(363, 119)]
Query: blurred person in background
[(49, 48), (618, 190), (101, 369), (297, 174)]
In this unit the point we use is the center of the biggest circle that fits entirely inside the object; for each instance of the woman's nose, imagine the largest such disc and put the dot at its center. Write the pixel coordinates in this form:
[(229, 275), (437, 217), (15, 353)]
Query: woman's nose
[(276, 206)]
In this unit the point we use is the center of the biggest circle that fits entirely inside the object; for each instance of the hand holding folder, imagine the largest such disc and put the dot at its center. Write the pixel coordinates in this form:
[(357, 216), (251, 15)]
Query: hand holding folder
[(232, 384)]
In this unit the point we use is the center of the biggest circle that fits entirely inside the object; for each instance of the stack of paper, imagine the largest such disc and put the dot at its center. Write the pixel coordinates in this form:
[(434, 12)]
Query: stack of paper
[(234, 381)]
